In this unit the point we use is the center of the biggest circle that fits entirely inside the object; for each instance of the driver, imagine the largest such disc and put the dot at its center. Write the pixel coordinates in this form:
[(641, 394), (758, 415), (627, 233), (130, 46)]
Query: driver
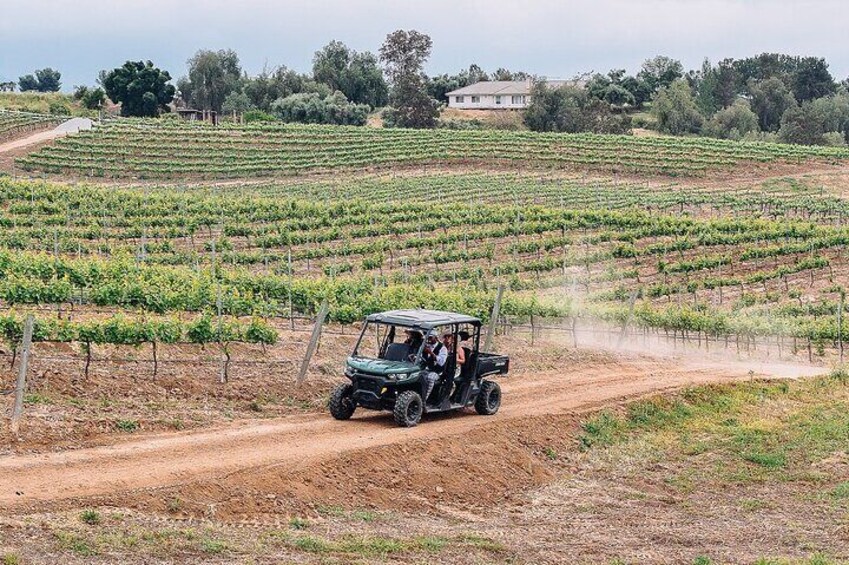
[(435, 355)]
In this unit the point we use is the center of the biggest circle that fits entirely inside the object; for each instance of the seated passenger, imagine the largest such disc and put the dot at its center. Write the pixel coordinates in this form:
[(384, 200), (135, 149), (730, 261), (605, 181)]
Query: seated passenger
[(404, 350), (435, 355)]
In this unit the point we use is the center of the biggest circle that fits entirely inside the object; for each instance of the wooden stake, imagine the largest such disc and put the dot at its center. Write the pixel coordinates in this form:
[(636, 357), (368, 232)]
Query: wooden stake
[(496, 311), (316, 334), (22, 375)]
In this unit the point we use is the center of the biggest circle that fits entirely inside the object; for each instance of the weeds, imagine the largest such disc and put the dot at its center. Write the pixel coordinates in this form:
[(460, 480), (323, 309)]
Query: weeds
[(128, 426), (90, 517), (298, 523)]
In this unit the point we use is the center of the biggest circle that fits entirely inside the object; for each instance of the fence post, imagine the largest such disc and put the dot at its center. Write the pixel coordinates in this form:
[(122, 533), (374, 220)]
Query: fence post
[(291, 310), (316, 334), (22, 376), (496, 311), (840, 325), (631, 302)]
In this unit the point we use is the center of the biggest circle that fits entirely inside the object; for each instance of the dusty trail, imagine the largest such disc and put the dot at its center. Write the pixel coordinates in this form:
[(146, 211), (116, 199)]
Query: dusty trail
[(168, 460), (71, 126)]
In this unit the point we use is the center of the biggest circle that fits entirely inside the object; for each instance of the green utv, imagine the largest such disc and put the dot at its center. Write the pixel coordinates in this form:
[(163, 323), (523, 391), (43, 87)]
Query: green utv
[(394, 358)]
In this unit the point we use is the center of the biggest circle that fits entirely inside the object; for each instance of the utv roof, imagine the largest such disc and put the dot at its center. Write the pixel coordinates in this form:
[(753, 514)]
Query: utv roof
[(424, 319)]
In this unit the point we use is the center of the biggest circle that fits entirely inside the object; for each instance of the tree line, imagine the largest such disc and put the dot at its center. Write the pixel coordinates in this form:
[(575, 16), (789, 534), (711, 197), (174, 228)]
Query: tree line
[(771, 96)]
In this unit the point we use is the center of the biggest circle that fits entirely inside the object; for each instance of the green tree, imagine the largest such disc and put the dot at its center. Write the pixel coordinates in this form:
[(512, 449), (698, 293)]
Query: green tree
[(675, 111), (312, 108), (811, 79), (356, 75), (804, 125), (616, 95), (770, 99), (237, 102), (271, 85), (28, 83), (90, 98), (404, 54), (660, 71), (213, 75), (570, 109), (49, 80), (140, 88), (733, 122)]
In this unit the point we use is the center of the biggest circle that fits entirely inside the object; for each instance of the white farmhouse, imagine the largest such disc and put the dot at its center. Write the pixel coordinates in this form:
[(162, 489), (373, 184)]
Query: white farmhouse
[(497, 94)]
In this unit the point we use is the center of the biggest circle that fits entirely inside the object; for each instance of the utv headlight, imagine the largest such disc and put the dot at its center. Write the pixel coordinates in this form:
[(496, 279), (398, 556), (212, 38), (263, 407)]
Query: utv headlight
[(349, 372)]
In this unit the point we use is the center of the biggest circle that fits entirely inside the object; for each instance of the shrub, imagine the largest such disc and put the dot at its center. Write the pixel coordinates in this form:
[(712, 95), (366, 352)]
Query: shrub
[(90, 517)]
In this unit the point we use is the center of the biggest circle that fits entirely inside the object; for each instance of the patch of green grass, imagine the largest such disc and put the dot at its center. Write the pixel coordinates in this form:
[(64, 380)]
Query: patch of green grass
[(35, 398), (752, 504), (174, 504), (769, 460), (298, 523), (841, 491), (313, 544), (90, 517), (840, 374), (72, 542), (746, 432), (602, 430), (702, 560), (128, 426), (481, 542), (550, 453), (11, 559), (368, 546), (214, 546), (364, 516)]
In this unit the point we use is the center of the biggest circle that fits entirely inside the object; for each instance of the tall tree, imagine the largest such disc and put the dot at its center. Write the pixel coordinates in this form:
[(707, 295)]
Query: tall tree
[(660, 71), (811, 79), (28, 83), (140, 88), (571, 109), (404, 54), (45, 80), (356, 75), (770, 100), (675, 110), (213, 75), (49, 80)]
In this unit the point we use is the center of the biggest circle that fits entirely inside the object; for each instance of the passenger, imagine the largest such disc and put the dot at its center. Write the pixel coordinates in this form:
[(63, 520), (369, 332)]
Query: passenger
[(435, 356), (414, 340), (448, 342), (465, 347)]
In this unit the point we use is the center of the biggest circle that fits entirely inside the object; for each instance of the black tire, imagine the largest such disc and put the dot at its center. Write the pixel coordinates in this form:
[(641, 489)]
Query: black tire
[(489, 398), (341, 403), (408, 409)]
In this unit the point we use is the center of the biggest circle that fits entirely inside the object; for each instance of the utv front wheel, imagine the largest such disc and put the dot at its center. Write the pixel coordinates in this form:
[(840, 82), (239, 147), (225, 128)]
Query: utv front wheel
[(489, 398), (341, 403), (408, 409)]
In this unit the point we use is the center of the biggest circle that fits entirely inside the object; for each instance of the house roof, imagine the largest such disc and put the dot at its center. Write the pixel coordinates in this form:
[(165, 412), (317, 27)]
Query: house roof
[(424, 319), (502, 87)]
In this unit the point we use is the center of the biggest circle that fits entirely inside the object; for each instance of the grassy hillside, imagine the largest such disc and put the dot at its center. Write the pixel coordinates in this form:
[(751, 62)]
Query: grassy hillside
[(727, 472), (42, 103)]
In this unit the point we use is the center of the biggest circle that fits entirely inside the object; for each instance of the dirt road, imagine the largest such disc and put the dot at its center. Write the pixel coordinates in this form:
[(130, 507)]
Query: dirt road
[(168, 460), (71, 126)]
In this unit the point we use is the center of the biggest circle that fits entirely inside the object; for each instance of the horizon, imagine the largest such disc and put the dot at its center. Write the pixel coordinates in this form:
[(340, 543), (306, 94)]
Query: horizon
[(82, 42)]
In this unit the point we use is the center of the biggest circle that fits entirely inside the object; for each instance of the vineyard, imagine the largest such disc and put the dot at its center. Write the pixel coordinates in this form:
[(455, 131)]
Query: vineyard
[(231, 263), (161, 150), (17, 123)]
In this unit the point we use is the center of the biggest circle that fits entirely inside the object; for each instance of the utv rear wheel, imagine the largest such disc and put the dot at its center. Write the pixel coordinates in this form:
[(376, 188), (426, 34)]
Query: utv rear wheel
[(341, 403), (408, 409), (489, 398)]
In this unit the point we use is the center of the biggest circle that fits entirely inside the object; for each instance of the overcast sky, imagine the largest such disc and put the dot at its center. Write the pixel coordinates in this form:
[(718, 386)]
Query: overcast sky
[(545, 37)]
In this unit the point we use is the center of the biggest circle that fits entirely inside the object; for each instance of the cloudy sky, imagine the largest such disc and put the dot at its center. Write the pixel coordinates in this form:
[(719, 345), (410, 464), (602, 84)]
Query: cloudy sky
[(546, 37)]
